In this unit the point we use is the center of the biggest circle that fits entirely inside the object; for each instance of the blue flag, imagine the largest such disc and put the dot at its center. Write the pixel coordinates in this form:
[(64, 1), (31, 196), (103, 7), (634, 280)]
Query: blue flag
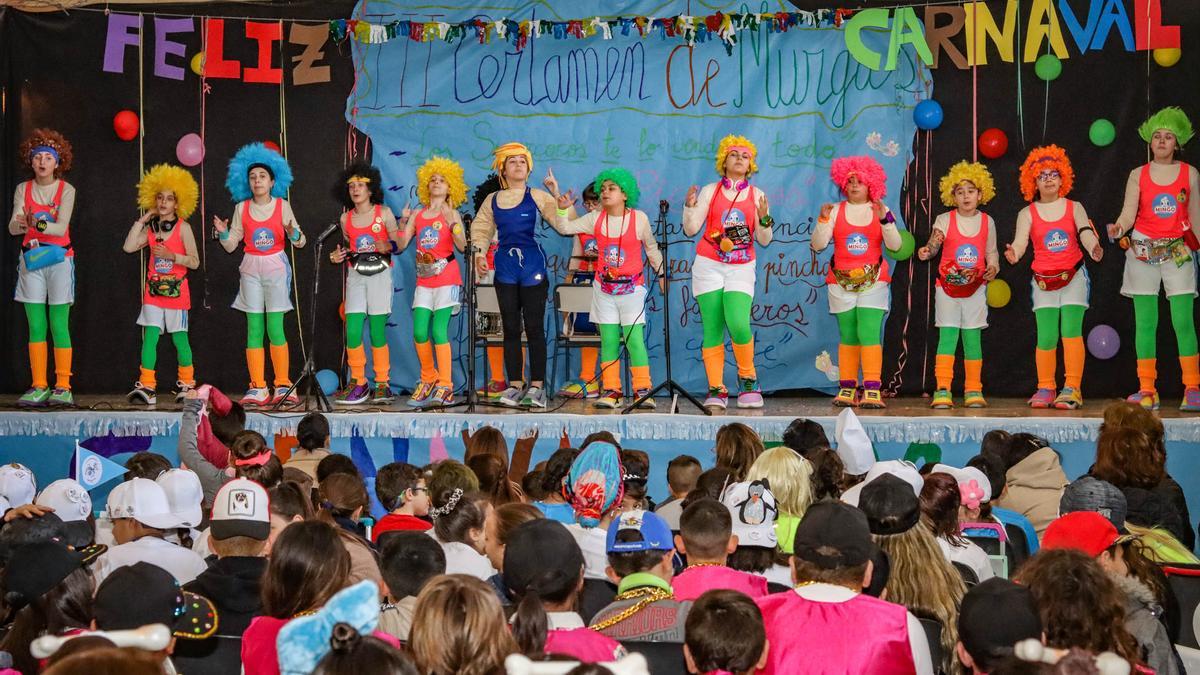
[(93, 470)]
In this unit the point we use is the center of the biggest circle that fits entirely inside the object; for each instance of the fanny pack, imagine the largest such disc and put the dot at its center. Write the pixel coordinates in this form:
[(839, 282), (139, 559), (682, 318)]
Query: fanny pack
[(1055, 279), (960, 282), (858, 279), (1159, 251), (428, 266), (164, 285), (43, 255), (370, 264)]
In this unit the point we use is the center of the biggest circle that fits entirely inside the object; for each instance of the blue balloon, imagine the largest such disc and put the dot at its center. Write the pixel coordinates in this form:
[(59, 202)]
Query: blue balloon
[(928, 114), (328, 381)]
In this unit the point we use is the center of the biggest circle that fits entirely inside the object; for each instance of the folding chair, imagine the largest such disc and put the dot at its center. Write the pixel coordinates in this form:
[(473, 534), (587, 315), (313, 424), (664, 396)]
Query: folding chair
[(571, 330)]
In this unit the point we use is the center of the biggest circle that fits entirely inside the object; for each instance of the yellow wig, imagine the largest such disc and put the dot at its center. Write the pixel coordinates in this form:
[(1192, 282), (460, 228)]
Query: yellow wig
[(732, 141), (1041, 159), (448, 169), (502, 153), (167, 177), (974, 173)]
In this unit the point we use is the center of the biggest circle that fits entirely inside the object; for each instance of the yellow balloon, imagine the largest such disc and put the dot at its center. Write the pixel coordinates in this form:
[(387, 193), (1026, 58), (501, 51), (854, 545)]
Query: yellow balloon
[(998, 293), (198, 64), (1167, 56)]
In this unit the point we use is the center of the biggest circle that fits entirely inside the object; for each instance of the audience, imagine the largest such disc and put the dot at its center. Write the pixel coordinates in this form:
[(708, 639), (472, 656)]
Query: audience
[(941, 500), (312, 444), (501, 521), (459, 629), (753, 511), (805, 436), (640, 562), (706, 538), (790, 478), (594, 488), (736, 447), (552, 482), (408, 561), (402, 490), (141, 518), (682, 474), (994, 615), (725, 634), (49, 589), (1034, 479)]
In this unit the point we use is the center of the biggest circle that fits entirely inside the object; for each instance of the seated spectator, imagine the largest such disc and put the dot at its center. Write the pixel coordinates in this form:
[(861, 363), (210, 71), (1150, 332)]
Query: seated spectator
[(459, 520), (994, 616), (736, 447), (804, 436), (492, 472), (304, 641), (343, 499), (682, 474), (1034, 478), (108, 661), (1088, 493), (402, 491), (144, 464), (790, 478), (828, 470), (408, 560), (725, 634), (531, 485), (594, 489), (1136, 464), (993, 468), (640, 557), (706, 538), (336, 463), (753, 511), (28, 529), (940, 502), (141, 518), (458, 627), (288, 505), (142, 594), (500, 524), (312, 444), (553, 478), (185, 496), (489, 441), (350, 653), (636, 466), (72, 503)]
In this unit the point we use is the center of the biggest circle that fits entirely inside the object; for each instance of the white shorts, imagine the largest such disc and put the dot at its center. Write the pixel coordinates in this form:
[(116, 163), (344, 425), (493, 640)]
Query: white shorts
[(1142, 278), (166, 320), (53, 285), (968, 312), (709, 275), (439, 297), (1074, 293), (624, 310), (878, 296), (369, 295), (266, 284)]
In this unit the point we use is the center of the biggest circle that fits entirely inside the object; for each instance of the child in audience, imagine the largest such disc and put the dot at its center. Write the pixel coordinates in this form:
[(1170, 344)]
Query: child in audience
[(71, 502), (350, 652), (143, 594), (402, 491), (995, 615), (736, 447), (49, 591), (790, 477), (753, 510), (636, 466), (682, 474), (940, 501), (595, 488), (492, 473), (993, 467), (184, 497), (288, 505), (1035, 479), (725, 634), (706, 538), (640, 558), (458, 627), (408, 561), (312, 437), (501, 521), (141, 518), (804, 436), (553, 477)]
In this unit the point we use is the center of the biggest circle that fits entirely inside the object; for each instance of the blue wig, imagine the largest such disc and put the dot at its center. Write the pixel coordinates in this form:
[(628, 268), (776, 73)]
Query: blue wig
[(251, 155)]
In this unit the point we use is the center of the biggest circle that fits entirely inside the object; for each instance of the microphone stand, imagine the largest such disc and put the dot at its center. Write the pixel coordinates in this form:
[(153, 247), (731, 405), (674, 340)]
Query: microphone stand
[(308, 374), (669, 383)]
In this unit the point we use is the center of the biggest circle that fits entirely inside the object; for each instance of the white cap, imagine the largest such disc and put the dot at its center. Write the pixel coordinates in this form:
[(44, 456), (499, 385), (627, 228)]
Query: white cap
[(752, 506), (853, 444), (17, 484), (981, 488), (185, 495), (906, 471), (144, 501), (241, 509), (4, 505), (70, 501)]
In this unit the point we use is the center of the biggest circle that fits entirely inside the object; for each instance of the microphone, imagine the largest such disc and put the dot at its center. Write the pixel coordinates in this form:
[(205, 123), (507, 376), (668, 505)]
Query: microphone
[(333, 227), (467, 218), (663, 207)]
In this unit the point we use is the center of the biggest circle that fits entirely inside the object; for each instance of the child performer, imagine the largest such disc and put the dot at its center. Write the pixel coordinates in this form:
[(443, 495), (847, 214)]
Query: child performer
[(733, 215), (859, 279), (46, 272), (1060, 230), (370, 229), (618, 290), (1160, 213), (969, 260), (168, 194), (258, 180), (582, 269)]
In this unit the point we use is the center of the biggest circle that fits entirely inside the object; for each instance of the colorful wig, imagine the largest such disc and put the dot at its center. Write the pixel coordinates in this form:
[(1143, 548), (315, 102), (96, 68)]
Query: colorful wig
[(167, 177), (1173, 120), (1040, 159), (594, 485), (362, 171), (502, 153), (974, 173), (448, 169), (624, 180), (868, 171), (252, 155), (51, 139), (730, 142)]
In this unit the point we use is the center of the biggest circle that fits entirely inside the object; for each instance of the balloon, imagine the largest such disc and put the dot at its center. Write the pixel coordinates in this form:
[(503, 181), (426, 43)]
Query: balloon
[(328, 380), (1048, 67), (993, 143), (998, 293), (1167, 56), (908, 244), (198, 64), (271, 145), (928, 114), (1102, 133), (190, 150), (125, 123), (1103, 342)]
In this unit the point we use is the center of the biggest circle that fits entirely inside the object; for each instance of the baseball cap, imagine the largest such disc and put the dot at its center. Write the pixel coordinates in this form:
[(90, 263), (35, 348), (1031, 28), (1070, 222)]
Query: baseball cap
[(833, 535), (17, 484), (1085, 531), (35, 569), (656, 534), (890, 505), (973, 483), (144, 501), (895, 467), (995, 615), (70, 500), (241, 508), (184, 495), (541, 552), (753, 509), (1089, 493), (141, 594)]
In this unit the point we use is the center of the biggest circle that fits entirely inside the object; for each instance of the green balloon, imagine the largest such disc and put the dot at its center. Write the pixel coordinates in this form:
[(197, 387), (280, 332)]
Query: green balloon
[(1102, 132), (1048, 67), (908, 244)]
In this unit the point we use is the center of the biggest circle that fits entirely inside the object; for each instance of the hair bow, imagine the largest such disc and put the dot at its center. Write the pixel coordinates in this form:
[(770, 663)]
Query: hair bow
[(304, 641), (972, 493)]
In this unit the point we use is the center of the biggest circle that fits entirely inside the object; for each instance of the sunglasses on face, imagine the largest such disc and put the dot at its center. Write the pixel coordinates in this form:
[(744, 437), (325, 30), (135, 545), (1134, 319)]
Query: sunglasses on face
[(1048, 176)]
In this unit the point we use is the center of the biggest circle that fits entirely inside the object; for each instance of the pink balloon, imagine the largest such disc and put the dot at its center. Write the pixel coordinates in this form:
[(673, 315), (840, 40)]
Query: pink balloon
[(190, 150)]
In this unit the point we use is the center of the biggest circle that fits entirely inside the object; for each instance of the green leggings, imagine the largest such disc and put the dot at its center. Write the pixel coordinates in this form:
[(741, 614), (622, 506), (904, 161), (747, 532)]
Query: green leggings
[(1048, 323), (1145, 318), (35, 312), (273, 322), (861, 326), (635, 342), (426, 324), (354, 326), (721, 310), (150, 336), (971, 339)]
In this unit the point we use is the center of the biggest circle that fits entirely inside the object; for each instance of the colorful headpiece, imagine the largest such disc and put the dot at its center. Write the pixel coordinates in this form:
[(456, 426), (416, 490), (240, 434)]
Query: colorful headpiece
[(594, 483), (176, 179), (1172, 119), (501, 155), (47, 139), (973, 172), (250, 156), (363, 172), (1041, 159), (304, 641), (624, 180), (449, 169), (730, 143), (868, 171)]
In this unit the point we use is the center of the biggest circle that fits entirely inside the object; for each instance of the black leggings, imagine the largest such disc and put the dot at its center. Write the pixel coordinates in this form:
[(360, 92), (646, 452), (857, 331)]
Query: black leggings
[(523, 304)]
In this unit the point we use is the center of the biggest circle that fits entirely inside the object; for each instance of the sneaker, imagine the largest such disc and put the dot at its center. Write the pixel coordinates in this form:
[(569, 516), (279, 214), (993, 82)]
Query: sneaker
[(974, 399), (718, 397), (609, 399), (1191, 400), (1145, 398), (257, 396), (442, 395), (872, 398), (1042, 398), (383, 394), (847, 396), (281, 394), (579, 389), (512, 396), (649, 403), (493, 391), (749, 393), (142, 394), (181, 390), (535, 397), (355, 393), (1069, 398), (36, 397), (61, 397), (942, 400), (420, 395)]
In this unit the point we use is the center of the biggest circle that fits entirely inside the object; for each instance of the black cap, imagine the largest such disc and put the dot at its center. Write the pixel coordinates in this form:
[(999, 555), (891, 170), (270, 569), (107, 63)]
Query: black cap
[(541, 553), (142, 594), (1089, 493), (35, 569), (890, 505), (995, 615), (834, 535)]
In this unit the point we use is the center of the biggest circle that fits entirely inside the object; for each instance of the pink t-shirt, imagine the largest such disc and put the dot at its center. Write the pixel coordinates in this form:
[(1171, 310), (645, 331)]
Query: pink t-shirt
[(584, 644), (694, 581), (259, 655)]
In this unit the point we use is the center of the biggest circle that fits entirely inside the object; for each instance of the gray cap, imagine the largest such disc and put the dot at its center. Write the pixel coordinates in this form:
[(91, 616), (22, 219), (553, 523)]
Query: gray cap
[(1092, 494)]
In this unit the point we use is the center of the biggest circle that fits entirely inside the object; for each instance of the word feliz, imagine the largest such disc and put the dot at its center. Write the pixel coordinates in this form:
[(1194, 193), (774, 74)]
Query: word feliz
[(125, 31), (1138, 25)]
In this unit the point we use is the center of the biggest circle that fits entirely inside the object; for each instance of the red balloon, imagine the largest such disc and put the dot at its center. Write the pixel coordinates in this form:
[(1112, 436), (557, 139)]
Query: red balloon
[(125, 123), (993, 143), (271, 145)]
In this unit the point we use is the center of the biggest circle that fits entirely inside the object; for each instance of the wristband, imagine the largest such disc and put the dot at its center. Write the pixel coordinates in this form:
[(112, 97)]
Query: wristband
[(824, 220), (562, 213), (223, 236), (295, 235), (766, 221)]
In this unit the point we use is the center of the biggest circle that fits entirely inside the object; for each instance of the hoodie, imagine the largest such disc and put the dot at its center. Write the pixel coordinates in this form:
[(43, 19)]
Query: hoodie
[(1142, 612), (1035, 487), (232, 584)]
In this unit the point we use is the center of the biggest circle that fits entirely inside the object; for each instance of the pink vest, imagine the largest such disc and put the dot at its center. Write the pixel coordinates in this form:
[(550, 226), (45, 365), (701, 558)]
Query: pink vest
[(584, 644), (694, 581), (862, 635)]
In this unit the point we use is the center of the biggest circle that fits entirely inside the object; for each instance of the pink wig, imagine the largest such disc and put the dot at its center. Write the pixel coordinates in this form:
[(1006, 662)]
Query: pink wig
[(869, 172)]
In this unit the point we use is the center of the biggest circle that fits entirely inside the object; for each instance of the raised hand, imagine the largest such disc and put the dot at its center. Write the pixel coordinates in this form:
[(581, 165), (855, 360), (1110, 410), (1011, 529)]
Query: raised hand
[(764, 208), (693, 192), (220, 225), (566, 199), (551, 183)]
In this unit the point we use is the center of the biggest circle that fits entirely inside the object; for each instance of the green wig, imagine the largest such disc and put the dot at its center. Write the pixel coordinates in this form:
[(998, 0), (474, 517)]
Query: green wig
[(624, 180), (1173, 120)]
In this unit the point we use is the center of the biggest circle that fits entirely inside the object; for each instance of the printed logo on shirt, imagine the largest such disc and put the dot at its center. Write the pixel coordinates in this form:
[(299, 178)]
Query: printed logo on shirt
[(365, 243), (48, 214), (966, 256), (1164, 205), (614, 256), (857, 244), (428, 238), (590, 247), (734, 218), (163, 265), (263, 239), (1056, 241)]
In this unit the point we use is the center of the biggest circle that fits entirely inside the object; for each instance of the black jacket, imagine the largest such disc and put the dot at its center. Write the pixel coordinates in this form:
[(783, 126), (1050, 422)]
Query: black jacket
[(232, 584)]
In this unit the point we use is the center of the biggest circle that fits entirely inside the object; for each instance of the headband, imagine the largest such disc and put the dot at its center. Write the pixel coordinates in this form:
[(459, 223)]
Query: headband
[(358, 179), (742, 148), (43, 148), (257, 460)]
